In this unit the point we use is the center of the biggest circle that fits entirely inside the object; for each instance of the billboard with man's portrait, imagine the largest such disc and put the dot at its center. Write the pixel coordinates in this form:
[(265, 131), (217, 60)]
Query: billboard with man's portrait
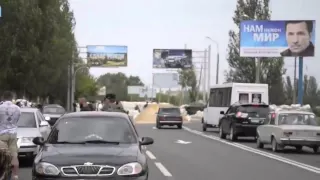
[(107, 56), (292, 38)]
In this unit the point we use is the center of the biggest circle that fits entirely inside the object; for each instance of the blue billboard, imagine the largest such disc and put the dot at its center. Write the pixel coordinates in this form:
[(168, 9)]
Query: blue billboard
[(277, 38), (107, 56)]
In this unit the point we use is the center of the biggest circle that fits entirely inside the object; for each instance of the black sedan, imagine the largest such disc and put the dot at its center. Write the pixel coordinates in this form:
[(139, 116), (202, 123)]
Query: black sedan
[(170, 116), (91, 146)]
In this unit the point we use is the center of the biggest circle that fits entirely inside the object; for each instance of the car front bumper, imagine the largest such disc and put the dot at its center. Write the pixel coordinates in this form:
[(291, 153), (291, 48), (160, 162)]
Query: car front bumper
[(27, 151), (92, 178), (299, 142)]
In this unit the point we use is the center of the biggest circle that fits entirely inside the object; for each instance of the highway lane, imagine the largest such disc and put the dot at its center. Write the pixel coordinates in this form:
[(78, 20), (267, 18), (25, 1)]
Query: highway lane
[(307, 156), (208, 159)]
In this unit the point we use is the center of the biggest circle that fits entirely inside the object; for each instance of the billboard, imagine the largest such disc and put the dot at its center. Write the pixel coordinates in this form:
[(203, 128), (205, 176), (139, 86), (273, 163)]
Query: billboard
[(107, 56), (147, 92), (165, 80), (277, 38), (172, 58), (134, 89)]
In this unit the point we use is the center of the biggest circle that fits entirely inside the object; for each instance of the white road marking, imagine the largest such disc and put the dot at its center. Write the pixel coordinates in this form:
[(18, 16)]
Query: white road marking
[(262, 153), (183, 142), (163, 169), (150, 155), (154, 128)]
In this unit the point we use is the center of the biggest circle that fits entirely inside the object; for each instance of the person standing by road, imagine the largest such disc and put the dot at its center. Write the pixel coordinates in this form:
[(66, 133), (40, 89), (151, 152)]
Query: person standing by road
[(9, 117)]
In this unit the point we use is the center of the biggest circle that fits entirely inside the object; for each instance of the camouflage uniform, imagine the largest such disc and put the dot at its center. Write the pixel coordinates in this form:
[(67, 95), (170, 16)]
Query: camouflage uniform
[(5, 161)]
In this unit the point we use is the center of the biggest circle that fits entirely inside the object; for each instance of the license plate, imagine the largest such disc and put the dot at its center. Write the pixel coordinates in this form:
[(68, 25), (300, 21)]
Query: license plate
[(255, 120)]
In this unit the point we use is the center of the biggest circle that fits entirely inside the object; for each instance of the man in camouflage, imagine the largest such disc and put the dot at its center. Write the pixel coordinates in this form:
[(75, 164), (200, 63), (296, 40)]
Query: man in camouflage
[(110, 104)]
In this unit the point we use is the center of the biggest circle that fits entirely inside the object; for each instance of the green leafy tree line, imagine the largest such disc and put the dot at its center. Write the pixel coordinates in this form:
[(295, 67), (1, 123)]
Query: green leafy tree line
[(37, 44)]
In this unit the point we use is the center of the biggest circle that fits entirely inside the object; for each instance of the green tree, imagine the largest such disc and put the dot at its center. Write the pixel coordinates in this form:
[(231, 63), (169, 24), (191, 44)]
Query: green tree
[(118, 83), (188, 79), (36, 45), (243, 69)]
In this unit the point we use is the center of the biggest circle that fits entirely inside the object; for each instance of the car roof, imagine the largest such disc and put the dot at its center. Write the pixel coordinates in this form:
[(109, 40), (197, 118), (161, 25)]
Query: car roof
[(246, 104), (293, 112), (96, 114), (53, 105), (27, 109)]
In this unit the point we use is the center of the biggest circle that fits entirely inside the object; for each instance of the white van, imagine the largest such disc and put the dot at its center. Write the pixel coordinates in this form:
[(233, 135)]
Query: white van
[(224, 95)]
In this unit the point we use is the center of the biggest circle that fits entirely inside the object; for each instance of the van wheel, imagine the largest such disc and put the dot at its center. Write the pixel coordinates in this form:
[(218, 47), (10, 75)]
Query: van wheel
[(221, 133), (315, 149), (204, 126)]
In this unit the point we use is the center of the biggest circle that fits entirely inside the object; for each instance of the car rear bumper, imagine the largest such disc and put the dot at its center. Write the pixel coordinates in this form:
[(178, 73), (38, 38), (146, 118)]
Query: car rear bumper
[(246, 129), (170, 122), (300, 141)]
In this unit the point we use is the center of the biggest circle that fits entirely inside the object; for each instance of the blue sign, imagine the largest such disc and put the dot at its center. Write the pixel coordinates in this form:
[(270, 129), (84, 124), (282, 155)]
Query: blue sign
[(107, 56), (277, 38), (0, 11)]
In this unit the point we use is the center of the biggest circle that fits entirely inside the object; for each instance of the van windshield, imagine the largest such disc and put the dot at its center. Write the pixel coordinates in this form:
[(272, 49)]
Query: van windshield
[(255, 110)]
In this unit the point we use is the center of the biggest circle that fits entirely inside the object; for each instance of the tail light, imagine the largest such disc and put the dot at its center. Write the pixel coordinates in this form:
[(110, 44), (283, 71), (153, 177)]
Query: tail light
[(161, 118), (241, 115), (287, 133)]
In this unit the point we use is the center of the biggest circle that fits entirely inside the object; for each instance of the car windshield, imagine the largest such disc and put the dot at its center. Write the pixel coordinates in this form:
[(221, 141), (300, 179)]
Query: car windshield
[(27, 120), (94, 129), (297, 119), (255, 110), (53, 110), (170, 111)]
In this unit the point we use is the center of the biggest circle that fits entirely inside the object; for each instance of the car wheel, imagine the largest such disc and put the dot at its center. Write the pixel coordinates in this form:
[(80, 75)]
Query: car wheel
[(259, 143), (233, 136), (221, 133), (275, 145), (158, 125), (204, 126), (298, 148), (179, 126), (315, 149)]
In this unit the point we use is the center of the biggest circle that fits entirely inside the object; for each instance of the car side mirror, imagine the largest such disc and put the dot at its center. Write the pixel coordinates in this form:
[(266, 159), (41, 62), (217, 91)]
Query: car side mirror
[(146, 141), (222, 112), (38, 141), (44, 123)]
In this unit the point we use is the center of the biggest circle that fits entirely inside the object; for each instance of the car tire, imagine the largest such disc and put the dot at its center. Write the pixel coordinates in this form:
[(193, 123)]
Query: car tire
[(275, 145), (260, 145), (222, 135), (179, 126), (298, 148), (158, 125), (204, 127), (232, 135), (315, 149)]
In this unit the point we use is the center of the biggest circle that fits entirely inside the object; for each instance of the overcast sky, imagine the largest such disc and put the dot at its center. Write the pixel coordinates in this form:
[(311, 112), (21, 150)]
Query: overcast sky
[(143, 25)]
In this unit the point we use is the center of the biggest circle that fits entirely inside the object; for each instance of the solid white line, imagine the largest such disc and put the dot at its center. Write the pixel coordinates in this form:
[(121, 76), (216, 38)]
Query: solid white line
[(262, 153), (163, 170), (150, 155)]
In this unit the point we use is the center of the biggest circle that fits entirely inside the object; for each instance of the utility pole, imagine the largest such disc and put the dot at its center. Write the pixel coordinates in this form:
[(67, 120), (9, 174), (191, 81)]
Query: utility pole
[(258, 67), (294, 96), (205, 76)]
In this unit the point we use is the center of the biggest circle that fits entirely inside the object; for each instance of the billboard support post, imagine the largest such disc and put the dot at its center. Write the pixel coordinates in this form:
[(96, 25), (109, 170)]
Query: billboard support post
[(258, 67), (294, 95), (300, 83)]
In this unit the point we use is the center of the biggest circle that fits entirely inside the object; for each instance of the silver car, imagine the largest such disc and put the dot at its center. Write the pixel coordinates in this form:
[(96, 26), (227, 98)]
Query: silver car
[(30, 125), (290, 128), (52, 113)]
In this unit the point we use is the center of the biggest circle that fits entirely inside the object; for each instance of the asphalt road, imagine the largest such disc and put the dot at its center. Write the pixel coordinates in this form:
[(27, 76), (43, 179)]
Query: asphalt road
[(189, 155), (307, 156)]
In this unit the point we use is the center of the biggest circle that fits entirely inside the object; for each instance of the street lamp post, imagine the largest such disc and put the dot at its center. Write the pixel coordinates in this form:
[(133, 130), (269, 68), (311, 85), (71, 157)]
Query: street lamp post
[(209, 59), (73, 87)]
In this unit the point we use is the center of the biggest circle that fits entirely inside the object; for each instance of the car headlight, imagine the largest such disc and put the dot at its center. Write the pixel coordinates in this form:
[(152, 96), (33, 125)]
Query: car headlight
[(44, 168), (130, 169)]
